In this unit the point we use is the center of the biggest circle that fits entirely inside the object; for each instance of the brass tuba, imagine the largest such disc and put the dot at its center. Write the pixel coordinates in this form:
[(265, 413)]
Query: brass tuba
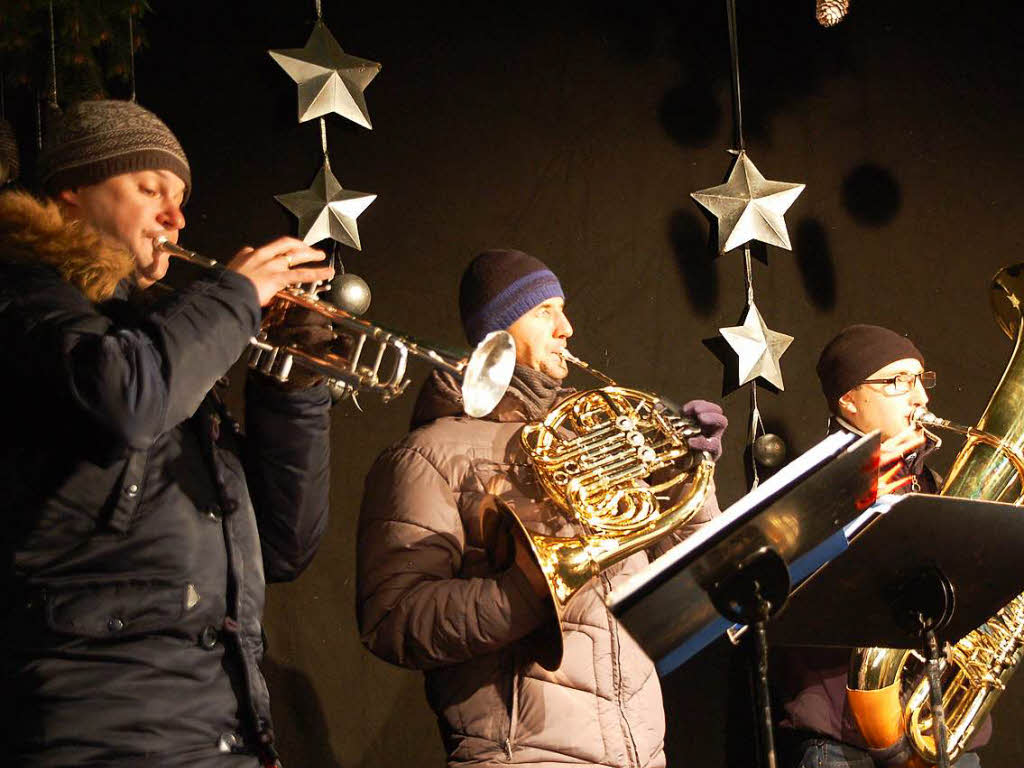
[(485, 373), (990, 466), (615, 460)]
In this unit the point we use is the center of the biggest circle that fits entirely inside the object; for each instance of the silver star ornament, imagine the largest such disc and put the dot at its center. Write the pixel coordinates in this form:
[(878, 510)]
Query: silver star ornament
[(325, 210), (758, 348), (329, 79), (749, 207)]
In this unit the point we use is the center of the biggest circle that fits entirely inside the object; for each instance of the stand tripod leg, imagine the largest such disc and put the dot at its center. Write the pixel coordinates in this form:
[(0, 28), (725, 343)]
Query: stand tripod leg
[(759, 670), (935, 699), (755, 591)]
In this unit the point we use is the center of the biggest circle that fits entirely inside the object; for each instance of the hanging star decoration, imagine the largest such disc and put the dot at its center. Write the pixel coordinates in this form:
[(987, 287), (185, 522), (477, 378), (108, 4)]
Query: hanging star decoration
[(329, 79), (749, 207), (758, 348), (325, 210)]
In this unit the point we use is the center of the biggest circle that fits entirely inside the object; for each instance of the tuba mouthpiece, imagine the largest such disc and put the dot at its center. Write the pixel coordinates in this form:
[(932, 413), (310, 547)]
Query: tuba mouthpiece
[(922, 415)]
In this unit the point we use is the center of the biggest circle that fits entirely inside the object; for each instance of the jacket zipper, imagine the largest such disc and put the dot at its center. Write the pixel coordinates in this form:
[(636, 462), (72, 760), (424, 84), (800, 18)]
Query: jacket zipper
[(514, 710), (629, 743)]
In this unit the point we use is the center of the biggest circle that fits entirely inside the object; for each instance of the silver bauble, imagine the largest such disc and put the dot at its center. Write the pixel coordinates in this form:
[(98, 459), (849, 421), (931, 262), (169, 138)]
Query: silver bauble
[(770, 451), (350, 293)]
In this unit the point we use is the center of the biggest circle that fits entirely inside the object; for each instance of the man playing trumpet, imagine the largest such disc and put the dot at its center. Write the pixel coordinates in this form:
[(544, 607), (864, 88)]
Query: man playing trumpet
[(436, 592), (141, 523)]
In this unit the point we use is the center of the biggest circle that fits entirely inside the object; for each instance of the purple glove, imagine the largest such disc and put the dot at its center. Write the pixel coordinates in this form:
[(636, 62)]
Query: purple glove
[(712, 423)]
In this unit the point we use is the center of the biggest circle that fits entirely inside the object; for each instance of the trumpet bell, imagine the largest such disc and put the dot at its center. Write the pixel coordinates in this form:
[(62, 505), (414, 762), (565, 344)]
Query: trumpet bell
[(488, 373)]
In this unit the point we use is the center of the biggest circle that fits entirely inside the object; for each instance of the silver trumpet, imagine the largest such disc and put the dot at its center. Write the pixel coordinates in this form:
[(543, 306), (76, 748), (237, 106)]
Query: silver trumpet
[(485, 373)]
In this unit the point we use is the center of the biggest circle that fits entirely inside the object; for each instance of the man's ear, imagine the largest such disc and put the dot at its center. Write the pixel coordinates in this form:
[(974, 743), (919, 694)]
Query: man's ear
[(846, 405), (69, 198)]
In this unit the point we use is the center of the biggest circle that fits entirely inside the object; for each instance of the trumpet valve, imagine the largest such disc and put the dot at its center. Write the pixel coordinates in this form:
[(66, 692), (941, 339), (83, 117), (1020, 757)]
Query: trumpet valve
[(283, 368)]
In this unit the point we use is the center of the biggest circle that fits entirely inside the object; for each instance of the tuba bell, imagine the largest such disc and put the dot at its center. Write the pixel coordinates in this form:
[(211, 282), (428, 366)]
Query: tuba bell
[(616, 461), (990, 466), (485, 373)]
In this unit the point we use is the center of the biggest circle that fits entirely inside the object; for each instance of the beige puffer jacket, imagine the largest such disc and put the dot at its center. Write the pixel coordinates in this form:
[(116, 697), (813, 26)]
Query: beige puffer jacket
[(429, 599)]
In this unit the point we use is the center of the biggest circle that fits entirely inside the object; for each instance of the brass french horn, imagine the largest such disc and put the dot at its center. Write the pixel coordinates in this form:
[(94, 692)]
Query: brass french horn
[(617, 462)]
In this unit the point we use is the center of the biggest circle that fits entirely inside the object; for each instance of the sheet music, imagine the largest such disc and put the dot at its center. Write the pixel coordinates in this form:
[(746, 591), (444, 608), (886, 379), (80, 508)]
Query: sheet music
[(788, 475)]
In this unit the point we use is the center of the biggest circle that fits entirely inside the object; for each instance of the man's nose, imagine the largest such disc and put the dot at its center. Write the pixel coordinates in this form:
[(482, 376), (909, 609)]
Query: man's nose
[(564, 328), (919, 392), (171, 217)]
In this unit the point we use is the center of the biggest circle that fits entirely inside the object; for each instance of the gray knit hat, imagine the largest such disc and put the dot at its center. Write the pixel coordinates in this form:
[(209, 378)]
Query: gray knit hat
[(94, 140)]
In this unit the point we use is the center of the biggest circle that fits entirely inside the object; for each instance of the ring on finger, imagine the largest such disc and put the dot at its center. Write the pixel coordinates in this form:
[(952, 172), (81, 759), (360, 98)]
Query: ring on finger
[(288, 260)]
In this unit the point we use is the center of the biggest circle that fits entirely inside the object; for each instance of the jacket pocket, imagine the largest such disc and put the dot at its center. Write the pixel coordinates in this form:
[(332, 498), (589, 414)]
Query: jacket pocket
[(119, 609)]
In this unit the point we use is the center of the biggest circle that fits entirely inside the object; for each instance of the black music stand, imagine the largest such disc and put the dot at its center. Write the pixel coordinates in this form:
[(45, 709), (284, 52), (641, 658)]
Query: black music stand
[(740, 565), (926, 572)]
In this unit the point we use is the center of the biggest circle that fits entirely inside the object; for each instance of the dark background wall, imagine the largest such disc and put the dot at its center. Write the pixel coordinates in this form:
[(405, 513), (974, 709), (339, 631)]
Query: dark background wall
[(576, 132)]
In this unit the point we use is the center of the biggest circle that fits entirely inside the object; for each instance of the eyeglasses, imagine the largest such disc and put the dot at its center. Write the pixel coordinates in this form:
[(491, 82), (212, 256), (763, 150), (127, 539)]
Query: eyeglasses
[(902, 383)]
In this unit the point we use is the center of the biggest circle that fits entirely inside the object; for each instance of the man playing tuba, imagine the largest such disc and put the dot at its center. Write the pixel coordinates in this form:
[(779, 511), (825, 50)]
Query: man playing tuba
[(872, 379), (438, 592)]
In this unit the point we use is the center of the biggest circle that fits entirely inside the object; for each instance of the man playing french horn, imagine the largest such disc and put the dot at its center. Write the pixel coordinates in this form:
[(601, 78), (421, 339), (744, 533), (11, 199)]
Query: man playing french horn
[(139, 522), (441, 590), (872, 379)]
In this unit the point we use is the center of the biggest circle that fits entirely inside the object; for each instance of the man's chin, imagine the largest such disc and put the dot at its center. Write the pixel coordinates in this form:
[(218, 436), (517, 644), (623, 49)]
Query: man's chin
[(556, 371)]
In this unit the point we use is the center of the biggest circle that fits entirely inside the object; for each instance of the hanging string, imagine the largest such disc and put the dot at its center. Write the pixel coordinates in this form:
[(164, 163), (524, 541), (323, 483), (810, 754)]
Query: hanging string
[(131, 52), (336, 262), (756, 428), (323, 142), (734, 62), (39, 121), (319, 11), (53, 59), (756, 423), (749, 274)]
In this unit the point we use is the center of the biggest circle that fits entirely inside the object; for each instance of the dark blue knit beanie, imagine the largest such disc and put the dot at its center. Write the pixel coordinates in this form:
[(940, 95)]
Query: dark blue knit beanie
[(498, 287)]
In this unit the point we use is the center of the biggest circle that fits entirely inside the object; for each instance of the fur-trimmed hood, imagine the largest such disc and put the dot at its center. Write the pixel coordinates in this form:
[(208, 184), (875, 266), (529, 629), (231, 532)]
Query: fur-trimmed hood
[(34, 231)]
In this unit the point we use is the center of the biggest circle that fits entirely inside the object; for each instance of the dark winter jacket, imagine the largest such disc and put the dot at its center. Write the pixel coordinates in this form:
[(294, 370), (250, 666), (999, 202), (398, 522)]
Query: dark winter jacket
[(139, 523), (431, 597)]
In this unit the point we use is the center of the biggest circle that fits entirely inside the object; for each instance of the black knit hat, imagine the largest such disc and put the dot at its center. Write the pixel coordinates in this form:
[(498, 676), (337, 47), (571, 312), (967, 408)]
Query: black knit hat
[(95, 140), (498, 287), (857, 352)]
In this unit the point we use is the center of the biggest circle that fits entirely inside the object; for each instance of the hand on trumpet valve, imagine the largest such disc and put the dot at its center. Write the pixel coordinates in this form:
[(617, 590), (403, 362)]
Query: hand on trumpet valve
[(712, 423), (289, 325), (279, 264)]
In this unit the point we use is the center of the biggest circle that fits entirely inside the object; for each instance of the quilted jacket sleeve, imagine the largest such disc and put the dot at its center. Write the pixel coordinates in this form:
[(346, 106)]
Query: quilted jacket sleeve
[(288, 467), (134, 380), (413, 608)]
